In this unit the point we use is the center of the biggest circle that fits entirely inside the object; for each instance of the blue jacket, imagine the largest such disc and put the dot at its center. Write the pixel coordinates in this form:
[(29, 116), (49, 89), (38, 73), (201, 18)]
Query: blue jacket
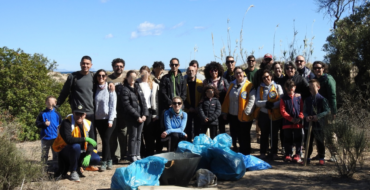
[(48, 132), (316, 105), (175, 123)]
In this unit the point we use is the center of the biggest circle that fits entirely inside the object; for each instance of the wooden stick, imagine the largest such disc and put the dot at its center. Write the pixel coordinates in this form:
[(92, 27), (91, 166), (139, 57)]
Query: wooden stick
[(307, 143)]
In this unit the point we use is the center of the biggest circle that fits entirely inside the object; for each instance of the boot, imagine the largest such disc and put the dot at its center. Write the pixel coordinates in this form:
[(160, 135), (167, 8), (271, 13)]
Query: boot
[(109, 165), (103, 166)]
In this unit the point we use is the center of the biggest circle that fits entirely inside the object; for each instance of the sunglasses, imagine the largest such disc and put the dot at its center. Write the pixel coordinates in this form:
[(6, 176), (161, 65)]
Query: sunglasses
[(299, 61), (215, 71), (265, 77), (102, 76), (251, 60), (174, 65), (290, 68), (176, 103), (118, 66), (268, 59), (229, 62), (317, 68)]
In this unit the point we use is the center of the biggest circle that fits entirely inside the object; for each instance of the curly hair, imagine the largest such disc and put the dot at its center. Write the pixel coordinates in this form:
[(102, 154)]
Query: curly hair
[(207, 87), (212, 66)]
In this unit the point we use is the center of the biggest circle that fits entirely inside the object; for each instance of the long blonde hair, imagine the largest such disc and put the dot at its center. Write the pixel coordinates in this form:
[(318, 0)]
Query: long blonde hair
[(150, 80)]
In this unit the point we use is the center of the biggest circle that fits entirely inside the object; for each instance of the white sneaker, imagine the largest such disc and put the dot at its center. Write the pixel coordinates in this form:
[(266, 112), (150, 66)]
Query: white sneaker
[(74, 177)]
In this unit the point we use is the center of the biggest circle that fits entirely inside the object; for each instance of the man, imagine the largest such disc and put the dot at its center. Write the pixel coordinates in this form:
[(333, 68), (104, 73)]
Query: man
[(302, 69), (157, 71), (194, 93), (301, 84), (118, 140), (251, 70), (172, 85), (266, 64), (75, 144), (229, 73), (79, 87), (195, 64)]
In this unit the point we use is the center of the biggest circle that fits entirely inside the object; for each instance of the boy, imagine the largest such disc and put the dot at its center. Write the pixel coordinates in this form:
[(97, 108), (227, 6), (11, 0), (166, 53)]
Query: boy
[(48, 120), (291, 108), (315, 108)]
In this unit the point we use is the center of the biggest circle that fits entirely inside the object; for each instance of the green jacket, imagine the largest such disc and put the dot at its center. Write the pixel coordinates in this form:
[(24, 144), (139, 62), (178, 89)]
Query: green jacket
[(328, 90)]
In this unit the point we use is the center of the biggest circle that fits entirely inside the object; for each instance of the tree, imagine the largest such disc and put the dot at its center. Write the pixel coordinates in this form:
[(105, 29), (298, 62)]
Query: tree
[(348, 47), (24, 85)]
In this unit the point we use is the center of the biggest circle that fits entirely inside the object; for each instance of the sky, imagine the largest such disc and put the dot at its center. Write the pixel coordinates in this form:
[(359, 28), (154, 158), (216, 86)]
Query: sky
[(144, 31)]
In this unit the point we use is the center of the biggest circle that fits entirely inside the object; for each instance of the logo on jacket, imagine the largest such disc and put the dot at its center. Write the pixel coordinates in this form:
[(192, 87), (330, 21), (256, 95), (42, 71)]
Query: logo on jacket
[(272, 95), (244, 95)]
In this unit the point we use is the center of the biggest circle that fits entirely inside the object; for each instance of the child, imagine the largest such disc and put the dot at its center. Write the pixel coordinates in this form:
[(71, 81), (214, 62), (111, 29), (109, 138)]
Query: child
[(315, 108), (291, 108), (209, 110), (48, 120)]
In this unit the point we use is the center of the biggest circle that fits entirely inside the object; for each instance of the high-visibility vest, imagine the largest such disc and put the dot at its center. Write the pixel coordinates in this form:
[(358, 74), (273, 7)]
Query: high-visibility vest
[(273, 96)]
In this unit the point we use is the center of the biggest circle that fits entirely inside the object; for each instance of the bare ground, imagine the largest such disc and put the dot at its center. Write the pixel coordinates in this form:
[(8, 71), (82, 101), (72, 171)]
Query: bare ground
[(281, 176)]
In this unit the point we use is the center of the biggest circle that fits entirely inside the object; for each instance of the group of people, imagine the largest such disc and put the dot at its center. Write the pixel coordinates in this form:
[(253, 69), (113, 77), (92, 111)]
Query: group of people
[(136, 112)]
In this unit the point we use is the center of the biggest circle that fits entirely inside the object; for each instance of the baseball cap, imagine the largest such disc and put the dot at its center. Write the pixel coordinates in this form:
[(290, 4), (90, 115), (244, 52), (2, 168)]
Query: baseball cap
[(80, 109), (267, 56)]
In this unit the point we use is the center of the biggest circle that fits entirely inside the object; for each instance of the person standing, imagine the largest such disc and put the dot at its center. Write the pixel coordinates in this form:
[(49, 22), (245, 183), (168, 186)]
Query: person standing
[(304, 71), (238, 108), (118, 140), (251, 70), (195, 64), (194, 92), (150, 90), (213, 72), (135, 112), (266, 64), (229, 73), (291, 74), (105, 115)]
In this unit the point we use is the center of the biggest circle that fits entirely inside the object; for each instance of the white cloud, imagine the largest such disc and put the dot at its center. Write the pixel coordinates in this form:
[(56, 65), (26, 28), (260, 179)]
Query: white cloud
[(148, 29), (109, 36), (178, 25)]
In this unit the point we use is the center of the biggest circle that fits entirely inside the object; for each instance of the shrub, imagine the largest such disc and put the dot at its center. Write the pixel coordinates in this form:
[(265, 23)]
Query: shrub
[(24, 85)]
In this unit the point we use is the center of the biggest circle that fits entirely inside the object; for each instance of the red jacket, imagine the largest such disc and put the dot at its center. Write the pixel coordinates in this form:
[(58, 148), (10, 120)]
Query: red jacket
[(287, 111)]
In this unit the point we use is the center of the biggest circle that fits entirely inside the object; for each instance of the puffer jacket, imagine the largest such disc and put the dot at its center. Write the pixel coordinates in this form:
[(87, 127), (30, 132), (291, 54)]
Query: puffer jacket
[(129, 99), (211, 109), (222, 87), (301, 85)]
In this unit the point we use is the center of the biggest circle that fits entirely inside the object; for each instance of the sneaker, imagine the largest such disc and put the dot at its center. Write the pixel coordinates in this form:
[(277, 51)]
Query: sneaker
[(315, 158), (103, 166), (92, 168), (132, 159), (74, 177), (333, 158), (283, 151), (288, 158), (109, 165), (138, 158), (321, 162), (297, 158), (80, 173)]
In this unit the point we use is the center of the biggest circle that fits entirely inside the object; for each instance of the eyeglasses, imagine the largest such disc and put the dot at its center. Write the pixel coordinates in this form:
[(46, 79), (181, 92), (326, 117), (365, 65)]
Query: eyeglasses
[(317, 68), (174, 65), (290, 68), (299, 61), (265, 77), (118, 66), (176, 103), (215, 71), (230, 62), (102, 76), (251, 60)]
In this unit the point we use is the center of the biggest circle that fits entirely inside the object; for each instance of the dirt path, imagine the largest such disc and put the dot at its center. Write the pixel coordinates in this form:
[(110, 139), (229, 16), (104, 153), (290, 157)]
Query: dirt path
[(281, 176)]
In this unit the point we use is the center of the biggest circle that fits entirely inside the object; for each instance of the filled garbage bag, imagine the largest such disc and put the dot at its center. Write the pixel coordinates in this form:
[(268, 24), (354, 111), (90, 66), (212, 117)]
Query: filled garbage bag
[(185, 146), (145, 172), (205, 178), (226, 164), (222, 141), (203, 140), (180, 168), (253, 163)]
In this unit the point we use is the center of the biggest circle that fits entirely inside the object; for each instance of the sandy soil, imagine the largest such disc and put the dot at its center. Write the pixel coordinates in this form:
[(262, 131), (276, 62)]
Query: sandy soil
[(281, 176)]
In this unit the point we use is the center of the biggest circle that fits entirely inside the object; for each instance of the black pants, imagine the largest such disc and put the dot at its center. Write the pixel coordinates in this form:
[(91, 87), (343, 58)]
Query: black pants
[(148, 138), (319, 143), (234, 129), (265, 124), (241, 131), (281, 133), (157, 131), (221, 124), (189, 126), (292, 137), (91, 117), (134, 130), (175, 139), (105, 135), (212, 129), (120, 133)]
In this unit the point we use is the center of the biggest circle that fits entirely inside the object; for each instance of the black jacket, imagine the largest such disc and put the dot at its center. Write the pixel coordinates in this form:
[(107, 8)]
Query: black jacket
[(129, 99), (66, 134), (210, 109), (301, 85), (166, 89), (222, 89)]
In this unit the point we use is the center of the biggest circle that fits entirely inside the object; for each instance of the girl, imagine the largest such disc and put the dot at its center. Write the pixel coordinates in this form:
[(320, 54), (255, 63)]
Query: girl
[(209, 110)]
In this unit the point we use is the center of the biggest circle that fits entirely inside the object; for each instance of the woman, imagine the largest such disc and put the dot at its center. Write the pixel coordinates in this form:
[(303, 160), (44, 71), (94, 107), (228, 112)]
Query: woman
[(278, 73), (268, 112), (175, 122), (213, 72), (105, 103), (209, 110), (237, 107), (150, 91), (135, 112)]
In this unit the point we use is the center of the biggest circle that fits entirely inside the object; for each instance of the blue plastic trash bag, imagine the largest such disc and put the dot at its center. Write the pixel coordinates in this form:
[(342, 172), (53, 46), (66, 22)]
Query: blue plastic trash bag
[(185, 146), (226, 164), (203, 140), (253, 163), (145, 172), (222, 141)]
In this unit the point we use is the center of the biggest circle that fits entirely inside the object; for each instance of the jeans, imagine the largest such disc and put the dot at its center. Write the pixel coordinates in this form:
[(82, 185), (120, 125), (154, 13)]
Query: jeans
[(319, 143), (148, 137), (189, 126), (105, 135), (70, 158), (134, 130), (265, 125), (292, 137), (118, 140), (241, 131), (46, 145)]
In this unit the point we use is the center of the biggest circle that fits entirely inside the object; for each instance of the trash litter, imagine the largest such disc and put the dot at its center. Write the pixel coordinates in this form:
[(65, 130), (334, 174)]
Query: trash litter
[(253, 163), (222, 141), (205, 178), (145, 172), (179, 169), (226, 164), (185, 146)]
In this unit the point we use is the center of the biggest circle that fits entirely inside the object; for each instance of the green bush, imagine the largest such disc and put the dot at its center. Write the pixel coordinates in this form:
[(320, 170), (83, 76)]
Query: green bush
[(24, 85)]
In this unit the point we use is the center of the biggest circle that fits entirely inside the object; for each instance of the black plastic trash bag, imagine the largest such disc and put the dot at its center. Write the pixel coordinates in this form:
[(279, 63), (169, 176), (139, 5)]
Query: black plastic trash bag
[(200, 146)]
